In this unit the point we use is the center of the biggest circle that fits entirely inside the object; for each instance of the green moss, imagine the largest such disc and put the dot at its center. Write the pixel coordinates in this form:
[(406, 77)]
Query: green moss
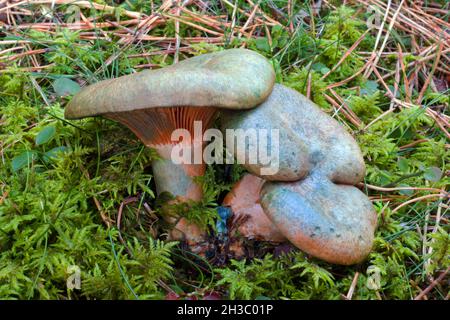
[(58, 192)]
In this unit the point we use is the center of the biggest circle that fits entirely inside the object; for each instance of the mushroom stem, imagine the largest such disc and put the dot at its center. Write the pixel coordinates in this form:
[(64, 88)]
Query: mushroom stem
[(178, 179)]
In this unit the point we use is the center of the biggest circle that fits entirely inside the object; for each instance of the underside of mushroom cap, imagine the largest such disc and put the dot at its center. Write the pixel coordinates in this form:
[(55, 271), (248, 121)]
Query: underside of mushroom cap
[(232, 79)]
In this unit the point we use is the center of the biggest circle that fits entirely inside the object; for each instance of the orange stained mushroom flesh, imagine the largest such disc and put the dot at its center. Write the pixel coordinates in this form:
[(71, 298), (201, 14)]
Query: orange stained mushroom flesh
[(249, 219)]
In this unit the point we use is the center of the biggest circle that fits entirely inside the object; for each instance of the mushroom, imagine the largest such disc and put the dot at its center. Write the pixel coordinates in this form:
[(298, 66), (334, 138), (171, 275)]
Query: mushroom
[(310, 198), (154, 103)]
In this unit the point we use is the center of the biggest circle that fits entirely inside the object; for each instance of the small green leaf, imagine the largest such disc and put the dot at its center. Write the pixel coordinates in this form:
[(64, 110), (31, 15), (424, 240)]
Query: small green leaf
[(52, 154), (45, 135), (277, 30), (385, 177), (64, 87), (274, 42), (433, 174), (370, 87), (320, 67), (263, 44), (324, 70), (317, 66), (403, 164), (22, 160)]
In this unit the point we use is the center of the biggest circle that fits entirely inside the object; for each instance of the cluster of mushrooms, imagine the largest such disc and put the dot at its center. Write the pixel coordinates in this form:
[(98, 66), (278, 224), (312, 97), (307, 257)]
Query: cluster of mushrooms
[(310, 201)]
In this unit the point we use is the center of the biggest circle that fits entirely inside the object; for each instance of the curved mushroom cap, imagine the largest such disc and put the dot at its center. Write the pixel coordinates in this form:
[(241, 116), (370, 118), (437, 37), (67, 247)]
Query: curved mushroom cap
[(250, 219), (308, 138), (234, 79), (333, 222)]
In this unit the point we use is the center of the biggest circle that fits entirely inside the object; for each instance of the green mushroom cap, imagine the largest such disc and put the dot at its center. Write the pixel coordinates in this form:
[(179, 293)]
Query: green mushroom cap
[(231, 79)]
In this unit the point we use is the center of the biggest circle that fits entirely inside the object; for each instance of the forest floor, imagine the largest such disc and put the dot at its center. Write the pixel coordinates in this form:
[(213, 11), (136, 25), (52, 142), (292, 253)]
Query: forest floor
[(77, 197)]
